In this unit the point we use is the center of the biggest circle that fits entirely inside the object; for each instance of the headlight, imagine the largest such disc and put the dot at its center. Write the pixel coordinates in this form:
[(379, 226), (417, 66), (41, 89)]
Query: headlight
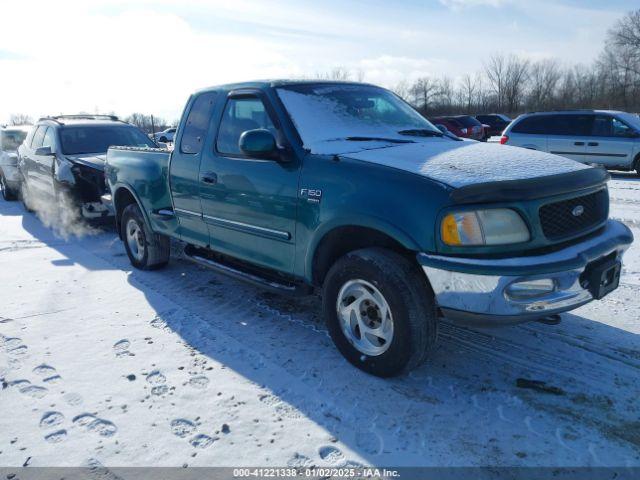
[(496, 226)]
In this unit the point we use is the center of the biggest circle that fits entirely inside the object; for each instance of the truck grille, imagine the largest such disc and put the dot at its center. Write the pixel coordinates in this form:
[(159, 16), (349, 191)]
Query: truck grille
[(560, 219)]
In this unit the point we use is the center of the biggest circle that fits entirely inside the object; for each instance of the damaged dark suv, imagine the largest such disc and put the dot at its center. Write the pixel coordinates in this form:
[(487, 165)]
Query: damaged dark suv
[(62, 161)]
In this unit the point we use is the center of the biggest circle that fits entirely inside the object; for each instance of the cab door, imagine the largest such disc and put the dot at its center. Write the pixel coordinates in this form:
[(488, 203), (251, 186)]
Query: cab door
[(611, 143), (248, 203), (184, 169)]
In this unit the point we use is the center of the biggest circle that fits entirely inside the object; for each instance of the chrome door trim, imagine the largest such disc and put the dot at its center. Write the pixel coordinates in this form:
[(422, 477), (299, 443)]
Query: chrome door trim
[(187, 213), (247, 228)]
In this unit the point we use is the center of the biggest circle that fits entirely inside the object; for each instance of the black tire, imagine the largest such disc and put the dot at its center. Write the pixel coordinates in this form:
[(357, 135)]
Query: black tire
[(410, 300), (154, 248), (637, 165), (7, 193)]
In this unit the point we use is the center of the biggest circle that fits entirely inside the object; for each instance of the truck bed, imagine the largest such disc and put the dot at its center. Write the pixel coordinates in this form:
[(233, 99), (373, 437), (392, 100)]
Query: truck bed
[(144, 173)]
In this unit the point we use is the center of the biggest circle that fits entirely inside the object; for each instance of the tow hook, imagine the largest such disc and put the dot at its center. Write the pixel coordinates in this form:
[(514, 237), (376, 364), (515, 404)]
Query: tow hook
[(550, 319)]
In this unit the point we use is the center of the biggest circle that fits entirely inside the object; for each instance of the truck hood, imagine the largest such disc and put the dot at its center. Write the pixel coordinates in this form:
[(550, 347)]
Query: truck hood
[(93, 160), (460, 164)]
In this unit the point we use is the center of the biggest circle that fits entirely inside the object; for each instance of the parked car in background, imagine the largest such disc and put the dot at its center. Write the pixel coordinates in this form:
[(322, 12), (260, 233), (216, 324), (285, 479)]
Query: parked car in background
[(497, 122), (464, 126), (62, 160), (603, 137), (10, 140), (165, 136), (344, 188)]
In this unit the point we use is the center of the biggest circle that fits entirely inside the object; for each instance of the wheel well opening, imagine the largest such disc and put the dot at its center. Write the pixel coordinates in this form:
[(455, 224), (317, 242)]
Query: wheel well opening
[(342, 240), (121, 200)]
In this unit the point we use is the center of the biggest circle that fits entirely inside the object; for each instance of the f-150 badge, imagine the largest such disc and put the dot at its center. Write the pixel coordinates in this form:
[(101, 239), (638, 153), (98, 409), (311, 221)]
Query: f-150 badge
[(311, 194)]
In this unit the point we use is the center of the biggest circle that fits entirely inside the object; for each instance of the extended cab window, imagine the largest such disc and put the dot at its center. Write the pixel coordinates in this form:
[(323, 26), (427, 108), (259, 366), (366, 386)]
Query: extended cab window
[(240, 115), (197, 123)]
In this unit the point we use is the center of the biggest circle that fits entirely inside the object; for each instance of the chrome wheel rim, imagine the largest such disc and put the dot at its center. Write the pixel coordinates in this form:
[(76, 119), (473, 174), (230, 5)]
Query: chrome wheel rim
[(135, 239), (365, 317)]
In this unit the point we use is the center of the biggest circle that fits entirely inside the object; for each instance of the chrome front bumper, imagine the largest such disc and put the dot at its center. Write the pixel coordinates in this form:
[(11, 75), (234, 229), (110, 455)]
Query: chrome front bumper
[(478, 290)]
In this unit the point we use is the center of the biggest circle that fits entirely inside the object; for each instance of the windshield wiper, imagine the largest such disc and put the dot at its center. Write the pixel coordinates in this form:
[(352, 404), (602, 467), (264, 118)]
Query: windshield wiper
[(378, 139), (421, 132)]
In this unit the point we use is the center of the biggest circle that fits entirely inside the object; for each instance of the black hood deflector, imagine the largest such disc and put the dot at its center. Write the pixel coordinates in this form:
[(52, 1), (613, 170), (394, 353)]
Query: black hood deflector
[(530, 188)]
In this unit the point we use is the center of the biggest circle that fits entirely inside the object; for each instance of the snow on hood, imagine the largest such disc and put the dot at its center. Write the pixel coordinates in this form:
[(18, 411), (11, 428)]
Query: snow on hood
[(93, 160), (459, 164)]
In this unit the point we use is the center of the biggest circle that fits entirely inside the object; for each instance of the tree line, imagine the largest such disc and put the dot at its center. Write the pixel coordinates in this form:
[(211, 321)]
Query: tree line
[(513, 84)]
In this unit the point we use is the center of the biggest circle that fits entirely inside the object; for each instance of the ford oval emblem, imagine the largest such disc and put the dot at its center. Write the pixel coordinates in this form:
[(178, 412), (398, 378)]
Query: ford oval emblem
[(577, 211)]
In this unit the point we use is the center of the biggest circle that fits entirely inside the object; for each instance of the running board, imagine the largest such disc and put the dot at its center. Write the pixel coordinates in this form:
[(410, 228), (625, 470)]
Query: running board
[(294, 289)]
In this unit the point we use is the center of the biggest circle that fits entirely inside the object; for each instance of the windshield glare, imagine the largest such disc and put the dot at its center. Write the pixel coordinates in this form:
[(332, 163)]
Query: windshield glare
[(94, 139), (324, 113), (11, 139)]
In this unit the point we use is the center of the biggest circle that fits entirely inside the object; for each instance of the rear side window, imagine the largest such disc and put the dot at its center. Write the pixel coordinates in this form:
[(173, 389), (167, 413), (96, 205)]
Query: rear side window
[(572, 125), (197, 123), (532, 125), (38, 137)]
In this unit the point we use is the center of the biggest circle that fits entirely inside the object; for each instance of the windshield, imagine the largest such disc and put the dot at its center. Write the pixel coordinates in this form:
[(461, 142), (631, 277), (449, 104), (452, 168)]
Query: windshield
[(326, 112), (11, 139), (98, 139)]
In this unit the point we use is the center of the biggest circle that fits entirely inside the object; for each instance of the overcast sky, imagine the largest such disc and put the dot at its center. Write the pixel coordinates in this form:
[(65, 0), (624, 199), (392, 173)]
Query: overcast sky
[(123, 56)]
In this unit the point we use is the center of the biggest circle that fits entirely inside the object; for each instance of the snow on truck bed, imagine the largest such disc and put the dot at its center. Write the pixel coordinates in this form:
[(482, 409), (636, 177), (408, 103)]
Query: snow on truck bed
[(103, 365)]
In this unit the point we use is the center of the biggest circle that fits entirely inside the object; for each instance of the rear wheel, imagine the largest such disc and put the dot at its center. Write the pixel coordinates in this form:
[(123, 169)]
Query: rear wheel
[(146, 250), (380, 311), (7, 193)]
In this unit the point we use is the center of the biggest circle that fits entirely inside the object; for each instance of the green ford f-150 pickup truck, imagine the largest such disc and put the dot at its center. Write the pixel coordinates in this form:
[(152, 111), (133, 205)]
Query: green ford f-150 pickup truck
[(343, 188)]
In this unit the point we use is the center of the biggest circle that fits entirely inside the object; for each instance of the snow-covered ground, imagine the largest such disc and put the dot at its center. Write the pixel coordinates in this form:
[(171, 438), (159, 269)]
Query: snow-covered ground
[(101, 364)]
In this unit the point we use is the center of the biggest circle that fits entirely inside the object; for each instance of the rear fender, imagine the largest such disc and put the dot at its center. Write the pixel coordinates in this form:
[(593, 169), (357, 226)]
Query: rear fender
[(117, 190)]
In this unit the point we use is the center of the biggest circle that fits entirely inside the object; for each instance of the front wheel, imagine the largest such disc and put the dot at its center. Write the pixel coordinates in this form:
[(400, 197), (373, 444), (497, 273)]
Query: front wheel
[(146, 250), (380, 311)]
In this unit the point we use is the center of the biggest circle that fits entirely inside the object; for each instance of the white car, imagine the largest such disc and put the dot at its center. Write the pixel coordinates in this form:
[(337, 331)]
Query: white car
[(165, 136), (10, 140), (604, 137)]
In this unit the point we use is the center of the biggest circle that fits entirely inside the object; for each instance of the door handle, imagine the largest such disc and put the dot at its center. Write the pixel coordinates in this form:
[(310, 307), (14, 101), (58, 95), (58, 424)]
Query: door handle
[(579, 144), (209, 177), (593, 144)]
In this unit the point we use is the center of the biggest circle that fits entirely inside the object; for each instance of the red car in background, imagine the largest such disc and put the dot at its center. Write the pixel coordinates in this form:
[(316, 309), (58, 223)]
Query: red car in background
[(464, 126)]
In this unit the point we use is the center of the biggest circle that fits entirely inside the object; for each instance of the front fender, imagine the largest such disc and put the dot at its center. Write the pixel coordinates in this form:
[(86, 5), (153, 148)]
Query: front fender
[(366, 221)]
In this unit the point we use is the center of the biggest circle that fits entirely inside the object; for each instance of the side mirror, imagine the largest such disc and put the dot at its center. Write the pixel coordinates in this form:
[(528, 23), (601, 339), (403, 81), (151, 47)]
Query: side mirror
[(43, 151), (257, 143)]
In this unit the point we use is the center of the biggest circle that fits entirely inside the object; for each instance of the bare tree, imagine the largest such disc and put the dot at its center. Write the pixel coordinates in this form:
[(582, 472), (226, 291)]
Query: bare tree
[(145, 123), (20, 119), (468, 92), (544, 77), (422, 92)]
